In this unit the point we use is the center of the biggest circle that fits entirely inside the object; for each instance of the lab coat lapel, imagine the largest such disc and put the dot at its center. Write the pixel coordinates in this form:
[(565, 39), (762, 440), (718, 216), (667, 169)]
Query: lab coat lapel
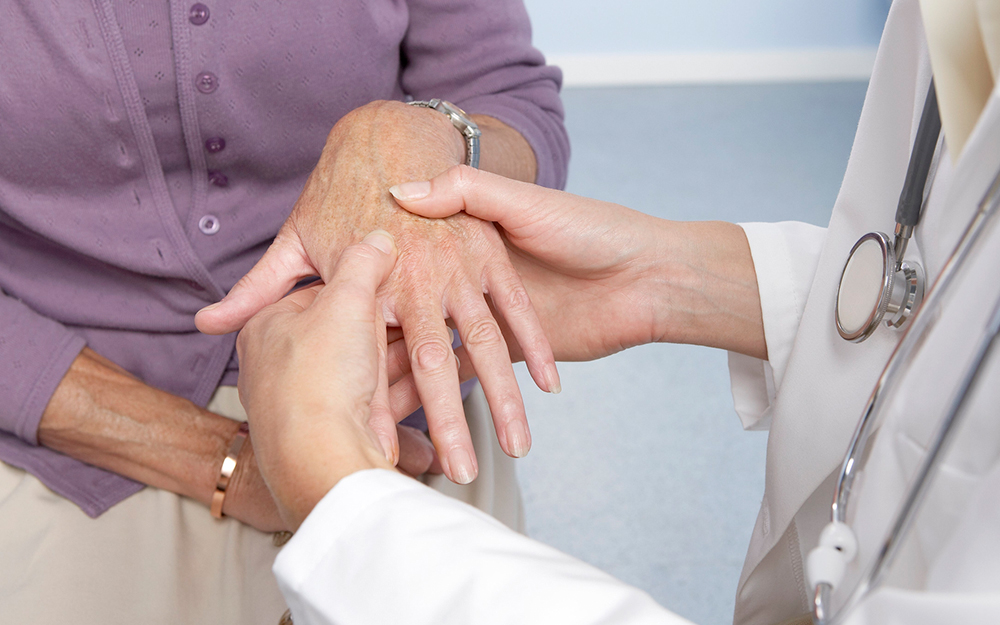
[(949, 553), (813, 422)]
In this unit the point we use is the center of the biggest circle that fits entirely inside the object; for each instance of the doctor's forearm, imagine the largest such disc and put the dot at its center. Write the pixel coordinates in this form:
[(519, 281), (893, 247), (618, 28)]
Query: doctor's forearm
[(707, 287)]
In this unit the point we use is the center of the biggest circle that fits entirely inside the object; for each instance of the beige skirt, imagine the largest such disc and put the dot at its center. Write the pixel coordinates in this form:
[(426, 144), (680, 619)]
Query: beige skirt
[(160, 558)]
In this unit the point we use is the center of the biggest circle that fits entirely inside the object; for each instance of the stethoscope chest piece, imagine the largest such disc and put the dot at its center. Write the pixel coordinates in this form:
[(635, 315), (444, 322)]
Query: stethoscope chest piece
[(875, 287)]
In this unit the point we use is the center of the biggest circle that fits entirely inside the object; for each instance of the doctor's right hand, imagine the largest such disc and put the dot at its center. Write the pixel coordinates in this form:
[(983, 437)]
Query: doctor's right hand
[(313, 380), (603, 277)]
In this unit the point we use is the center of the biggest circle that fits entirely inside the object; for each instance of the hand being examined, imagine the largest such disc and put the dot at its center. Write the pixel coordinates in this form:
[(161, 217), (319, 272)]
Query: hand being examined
[(444, 269)]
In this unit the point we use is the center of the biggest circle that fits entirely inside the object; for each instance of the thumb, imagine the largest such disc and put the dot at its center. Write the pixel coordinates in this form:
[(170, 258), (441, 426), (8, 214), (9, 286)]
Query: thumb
[(512, 204), (283, 264), (360, 271)]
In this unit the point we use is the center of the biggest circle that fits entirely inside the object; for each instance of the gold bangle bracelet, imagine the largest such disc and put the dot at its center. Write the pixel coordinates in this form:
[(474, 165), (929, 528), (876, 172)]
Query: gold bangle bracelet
[(228, 466)]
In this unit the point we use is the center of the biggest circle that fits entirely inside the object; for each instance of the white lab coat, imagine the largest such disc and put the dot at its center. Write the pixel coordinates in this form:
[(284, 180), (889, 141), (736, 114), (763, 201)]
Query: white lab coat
[(381, 548)]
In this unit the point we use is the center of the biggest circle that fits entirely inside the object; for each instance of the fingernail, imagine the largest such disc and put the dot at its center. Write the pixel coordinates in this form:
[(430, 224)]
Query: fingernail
[(460, 464), (381, 240), (518, 439), (409, 191), (388, 449), (451, 336), (210, 307), (552, 378)]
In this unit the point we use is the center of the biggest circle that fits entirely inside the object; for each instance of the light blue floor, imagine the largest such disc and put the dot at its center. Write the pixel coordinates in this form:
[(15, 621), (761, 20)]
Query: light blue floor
[(640, 466)]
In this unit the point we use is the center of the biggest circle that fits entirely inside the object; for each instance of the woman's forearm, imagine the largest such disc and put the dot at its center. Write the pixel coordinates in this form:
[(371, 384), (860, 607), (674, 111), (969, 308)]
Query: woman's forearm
[(504, 151), (707, 287), (101, 415)]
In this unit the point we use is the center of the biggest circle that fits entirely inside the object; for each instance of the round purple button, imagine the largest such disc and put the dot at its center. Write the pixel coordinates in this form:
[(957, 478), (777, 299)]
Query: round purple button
[(215, 144), (206, 82), (209, 224), (218, 178), (198, 14)]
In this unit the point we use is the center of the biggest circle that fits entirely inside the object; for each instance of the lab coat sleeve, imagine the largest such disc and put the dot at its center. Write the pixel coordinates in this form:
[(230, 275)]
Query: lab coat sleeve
[(785, 256), (384, 548)]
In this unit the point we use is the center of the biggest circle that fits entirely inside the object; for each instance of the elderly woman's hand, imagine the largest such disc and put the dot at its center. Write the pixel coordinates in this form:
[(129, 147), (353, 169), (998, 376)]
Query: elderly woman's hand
[(604, 277), (313, 373), (445, 267)]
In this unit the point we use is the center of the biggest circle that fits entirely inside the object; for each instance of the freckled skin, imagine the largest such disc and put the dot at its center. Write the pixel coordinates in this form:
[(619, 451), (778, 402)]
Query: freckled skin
[(346, 198), (447, 269), (444, 266)]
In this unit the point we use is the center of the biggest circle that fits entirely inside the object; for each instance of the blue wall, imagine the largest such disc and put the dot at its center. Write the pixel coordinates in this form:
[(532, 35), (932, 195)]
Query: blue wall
[(650, 26)]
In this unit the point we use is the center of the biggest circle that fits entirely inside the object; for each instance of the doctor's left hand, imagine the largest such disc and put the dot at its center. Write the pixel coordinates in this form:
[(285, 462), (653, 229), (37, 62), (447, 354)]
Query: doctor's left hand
[(312, 376)]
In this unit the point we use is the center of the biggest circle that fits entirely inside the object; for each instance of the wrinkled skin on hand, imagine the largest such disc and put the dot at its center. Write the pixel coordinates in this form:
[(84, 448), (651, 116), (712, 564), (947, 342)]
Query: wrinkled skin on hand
[(443, 271)]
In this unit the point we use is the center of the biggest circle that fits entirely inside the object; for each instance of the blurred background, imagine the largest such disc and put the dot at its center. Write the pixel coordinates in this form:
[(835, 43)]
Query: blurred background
[(742, 110)]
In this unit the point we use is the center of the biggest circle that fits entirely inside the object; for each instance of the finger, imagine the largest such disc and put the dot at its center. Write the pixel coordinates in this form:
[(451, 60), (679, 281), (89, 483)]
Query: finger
[(397, 360), (283, 264), (436, 378), (511, 299), (490, 197), (360, 271), (403, 397), (416, 452), (381, 419), (487, 349), (403, 393), (394, 334), (465, 369), (294, 302)]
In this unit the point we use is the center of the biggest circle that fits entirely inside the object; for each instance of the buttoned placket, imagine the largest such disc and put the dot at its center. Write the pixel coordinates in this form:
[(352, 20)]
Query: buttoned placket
[(171, 220)]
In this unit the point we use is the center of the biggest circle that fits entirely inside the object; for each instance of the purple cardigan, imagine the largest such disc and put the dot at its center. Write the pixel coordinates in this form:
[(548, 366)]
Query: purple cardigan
[(149, 152)]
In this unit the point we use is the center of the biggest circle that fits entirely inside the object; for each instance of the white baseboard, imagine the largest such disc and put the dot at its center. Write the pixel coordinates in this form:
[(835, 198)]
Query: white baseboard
[(788, 65)]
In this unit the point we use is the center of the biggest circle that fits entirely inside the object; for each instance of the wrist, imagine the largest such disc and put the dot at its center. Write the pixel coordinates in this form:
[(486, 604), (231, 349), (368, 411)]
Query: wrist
[(315, 468), (461, 121), (653, 276), (407, 135), (316, 447), (706, 287)]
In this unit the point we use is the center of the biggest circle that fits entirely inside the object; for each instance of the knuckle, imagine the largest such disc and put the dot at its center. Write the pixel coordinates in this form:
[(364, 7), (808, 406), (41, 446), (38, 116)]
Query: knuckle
[(482, 332), (251, 329), (514, 298), (414, 263), (431, 354)]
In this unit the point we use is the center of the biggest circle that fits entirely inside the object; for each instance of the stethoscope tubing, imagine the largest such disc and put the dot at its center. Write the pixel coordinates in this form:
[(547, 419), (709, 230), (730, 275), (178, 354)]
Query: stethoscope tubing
[(886, 384)]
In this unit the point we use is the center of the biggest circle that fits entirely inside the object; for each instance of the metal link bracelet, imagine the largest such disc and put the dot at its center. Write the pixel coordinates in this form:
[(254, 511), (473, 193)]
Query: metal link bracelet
[(462, 122)]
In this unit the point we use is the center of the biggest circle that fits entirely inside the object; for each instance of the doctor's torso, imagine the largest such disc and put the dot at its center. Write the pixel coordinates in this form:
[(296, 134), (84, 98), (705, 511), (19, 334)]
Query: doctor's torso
[(823, 388)]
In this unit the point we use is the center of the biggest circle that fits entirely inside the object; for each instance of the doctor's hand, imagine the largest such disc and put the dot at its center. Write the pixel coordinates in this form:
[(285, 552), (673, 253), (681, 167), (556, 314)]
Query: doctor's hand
[(603, 277), (445, 270), (312, 376)]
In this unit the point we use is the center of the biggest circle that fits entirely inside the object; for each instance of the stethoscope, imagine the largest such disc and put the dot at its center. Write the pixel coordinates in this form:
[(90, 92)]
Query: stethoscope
[(838, 545), (876, 281)]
